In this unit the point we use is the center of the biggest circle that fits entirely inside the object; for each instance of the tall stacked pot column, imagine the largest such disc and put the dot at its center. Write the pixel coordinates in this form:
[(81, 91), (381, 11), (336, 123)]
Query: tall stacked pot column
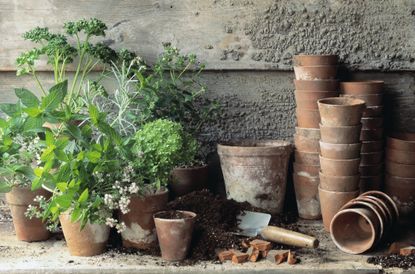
[(315, 79), (371, 165), (340, 153)]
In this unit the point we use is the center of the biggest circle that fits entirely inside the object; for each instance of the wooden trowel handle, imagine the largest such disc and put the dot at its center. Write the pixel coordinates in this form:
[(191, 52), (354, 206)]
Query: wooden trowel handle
[(288, 237)]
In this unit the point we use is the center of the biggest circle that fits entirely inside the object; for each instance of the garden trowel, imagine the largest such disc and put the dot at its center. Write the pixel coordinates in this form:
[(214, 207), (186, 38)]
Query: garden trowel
[(253, 223)]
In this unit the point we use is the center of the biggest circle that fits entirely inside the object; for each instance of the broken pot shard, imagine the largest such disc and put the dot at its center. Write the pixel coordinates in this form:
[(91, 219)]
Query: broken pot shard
[(261, 245), (224, 255), (291, 259), (239, 257), (277, 256)]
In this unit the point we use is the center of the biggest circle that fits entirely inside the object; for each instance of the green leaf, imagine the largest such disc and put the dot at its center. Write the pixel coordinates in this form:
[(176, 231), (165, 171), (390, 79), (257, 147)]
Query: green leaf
[(93, 156), (56, 96), (33, 124), (49, 137), (5, 187), (33, 111), (36, 183), (76, 214), (7, 141), (3, 123), (27, 171), (84, 196), (64, 201), (27, 97), (94, 114), (74, 131), (9, 109), (62, 186)]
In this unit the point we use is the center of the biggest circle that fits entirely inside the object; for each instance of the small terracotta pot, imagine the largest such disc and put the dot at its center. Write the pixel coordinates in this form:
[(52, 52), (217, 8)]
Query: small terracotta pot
[(307, 118), (189, 179), (340, 134), (402, 191), (307, 158), (331, 202), (372, 123), (368, 183), (306, 170), (370, 170), (388, 201), (371, 134), (400, 156), (334, 167), (340, 151), (382, 206), (402, 141), (309, 133), (314, 60), (370, 99), (372, 146), (371, 158), (355, 230), (400, 170), (306, 193), (28, 230), (317, 85), (339, 183), (89, 241), (373, 111), (315, 72), (361, 87), (305, 144), (174, 233), (341, 111)]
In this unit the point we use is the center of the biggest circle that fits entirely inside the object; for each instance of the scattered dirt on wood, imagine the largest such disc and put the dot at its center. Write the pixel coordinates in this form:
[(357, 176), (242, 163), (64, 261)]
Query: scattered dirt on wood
[(394, 260)]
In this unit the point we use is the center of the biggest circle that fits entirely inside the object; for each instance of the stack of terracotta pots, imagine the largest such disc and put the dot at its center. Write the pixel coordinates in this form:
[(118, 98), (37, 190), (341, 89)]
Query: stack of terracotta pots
[(339, 153), (400, 172), (315, 79), (364, 222), (372, 131)]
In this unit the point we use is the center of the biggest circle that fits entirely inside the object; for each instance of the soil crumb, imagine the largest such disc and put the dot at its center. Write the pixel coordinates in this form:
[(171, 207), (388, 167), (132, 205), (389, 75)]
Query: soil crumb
[(393, 260)]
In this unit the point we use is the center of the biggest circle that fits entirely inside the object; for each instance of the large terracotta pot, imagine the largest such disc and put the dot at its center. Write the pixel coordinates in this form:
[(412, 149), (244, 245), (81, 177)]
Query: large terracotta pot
[(402, 141), (402, 191), (400, 156), (308, 99), (341, 111), (189, 179), (340, 134), (317, 85), (340, 151), (305, 144), (373, 111), (315, 72), (361, 87), (307, 118), (307, 158), (306, 194), (339, 183), (28, 230), (256, 172), (343, 167), (372, 146), (314, 60), (89, 241), (370, 99), (141, 231)]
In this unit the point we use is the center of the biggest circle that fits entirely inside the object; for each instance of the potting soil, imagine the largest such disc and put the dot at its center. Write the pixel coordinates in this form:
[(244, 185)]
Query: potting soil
[(393, 260)]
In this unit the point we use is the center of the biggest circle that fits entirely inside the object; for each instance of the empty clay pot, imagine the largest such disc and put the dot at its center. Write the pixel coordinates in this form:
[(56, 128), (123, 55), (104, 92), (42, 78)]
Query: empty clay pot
[(370, 99), (340, 151), (89, 241), (361, 87), (331, 202), (334, 167), (305, 144), (174, 233), (188, 179), (382, 207), (307, 118), (306, 193), (317, 85), (309, 133), (371, 134), (402, 191), (307, 158), (341, 111), (306, 170), (368, 183), (339, 183), (315, 72), (373, 111), (387, 200), (340, 134), (400, 156), (372, 146), (370, 170), (372, 123), (314, 60), (402, 141), (400, 170), (355, 230), (371, 158)]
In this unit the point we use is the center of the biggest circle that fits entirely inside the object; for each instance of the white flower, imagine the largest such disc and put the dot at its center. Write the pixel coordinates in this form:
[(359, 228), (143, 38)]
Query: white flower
[(108, 200), (123, 203), (120, 227), (111, 222), (133, 189)]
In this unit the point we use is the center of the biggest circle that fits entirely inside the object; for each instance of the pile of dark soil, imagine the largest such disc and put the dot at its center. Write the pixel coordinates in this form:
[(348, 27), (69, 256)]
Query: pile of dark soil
[(393, 260)]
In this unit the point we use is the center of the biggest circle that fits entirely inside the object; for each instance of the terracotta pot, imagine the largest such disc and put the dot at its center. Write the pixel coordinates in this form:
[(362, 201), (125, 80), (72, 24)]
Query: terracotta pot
[(309, 133), (306, 194), (341, 111), (372, 123), (402, 141), (141, 232), (307, 118), (355, 230), (308, 99), (339, 183), (361, 87), (89, 241), (317, 85), (340, 134), (372, 146), (305, 144), (331, 202), (263, 184), (189, 179), (370, 99), (373, 111), (383, 208), (402, 191), (315, 72), (400, 170), (370, 170), (371, 158), (28, 230), (307, 158), (368, 183), (314, 60), (371, 134), (340, 151), (306, 170), (334, 167), (174, 233), (388, 200), (400, 156)]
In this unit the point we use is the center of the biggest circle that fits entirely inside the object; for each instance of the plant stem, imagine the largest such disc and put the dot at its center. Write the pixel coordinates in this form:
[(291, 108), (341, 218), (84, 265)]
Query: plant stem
[(37, 81)]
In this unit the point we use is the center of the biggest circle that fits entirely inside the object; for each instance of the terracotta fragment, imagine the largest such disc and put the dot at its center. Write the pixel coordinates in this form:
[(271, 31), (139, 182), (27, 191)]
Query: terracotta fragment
[(292, 259), (406, 251), (224, 255), (239, 257), (254, 254), (261, 245), (277, 256)]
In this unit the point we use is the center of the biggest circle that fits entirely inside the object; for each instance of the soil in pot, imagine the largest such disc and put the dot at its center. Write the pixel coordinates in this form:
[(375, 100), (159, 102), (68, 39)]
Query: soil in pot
[(306, 194), (361, 87), (187, 179), (307, 118), (315, 72), (340, 134), (314, 60), (341, 111), (345, 167), (339, 183), (340, 151), (317, 85), (305, 144)]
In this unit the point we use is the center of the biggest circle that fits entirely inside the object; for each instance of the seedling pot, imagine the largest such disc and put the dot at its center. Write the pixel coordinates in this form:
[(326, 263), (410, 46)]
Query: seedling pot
[(315, 72), (308, 118), (340, 134), (314, 60), (372, 146), (340, 151), (306, 194), (344, 167), (307, 158), (305, 144), (310, 133), (188, 179), (339, 183), (317, 85), (402, 191), (387, 200), (341, 111), (361, 87)]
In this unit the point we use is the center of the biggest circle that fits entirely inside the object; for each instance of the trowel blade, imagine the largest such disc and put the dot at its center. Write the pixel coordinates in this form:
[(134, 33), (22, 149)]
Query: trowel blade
[(251, 223)]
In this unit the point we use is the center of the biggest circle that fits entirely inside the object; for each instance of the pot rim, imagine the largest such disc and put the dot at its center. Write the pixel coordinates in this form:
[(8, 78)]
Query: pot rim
[(341, 102), (336, 145), (374, 108), (362, 82), (387, 197), (358, 96), (315, 55), (315, 91), (191, 216), (400, 178)]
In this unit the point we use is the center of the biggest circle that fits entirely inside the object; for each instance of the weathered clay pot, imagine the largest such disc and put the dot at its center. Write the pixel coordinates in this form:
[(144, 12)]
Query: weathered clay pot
[(370, 99), (341, 111), (371, 158), (355, 230), (368, 183), (340, 134), (400, 170), (335, 167), (370, 170), (372, 123), (331, 202), (402, 191), (89, 241), (305, 144), (307, 158), (372, 146), (189, 179), (387, 200), (310, 133), (371, 134), (306, 170), (306, 194), (373, 111), (140, 232), (307, 118), (315, 72), (317, 85), (174, 233), (400, 156), (340, 151), (339, 183), (256, 172), (314, 60), (402, 141), (382, 207), (28, 230), (361, 87), (308, 99)]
